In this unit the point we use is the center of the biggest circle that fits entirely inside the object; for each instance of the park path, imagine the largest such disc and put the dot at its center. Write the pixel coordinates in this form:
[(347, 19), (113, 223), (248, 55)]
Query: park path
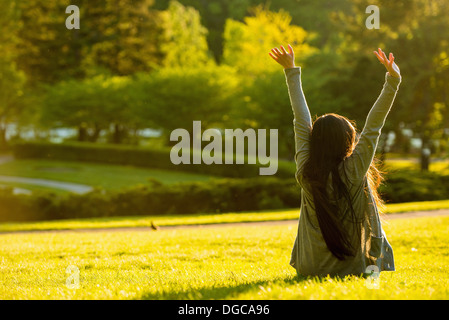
[(294, 222), (73, 187), (68, 186)]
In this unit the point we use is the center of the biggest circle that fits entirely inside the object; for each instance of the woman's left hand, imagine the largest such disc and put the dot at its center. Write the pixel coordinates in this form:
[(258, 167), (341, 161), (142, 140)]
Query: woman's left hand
[(284, 58)]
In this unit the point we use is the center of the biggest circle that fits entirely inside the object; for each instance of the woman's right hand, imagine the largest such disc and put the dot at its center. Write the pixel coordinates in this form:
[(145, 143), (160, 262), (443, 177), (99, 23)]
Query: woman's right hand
[(391, 67), (284, 58)]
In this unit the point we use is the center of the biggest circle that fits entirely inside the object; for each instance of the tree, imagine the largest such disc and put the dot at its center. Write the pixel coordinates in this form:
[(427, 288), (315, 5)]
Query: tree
[(173, 98), (47, 51), (12, 80), (183, 41), (263, 99), (91, 105), (246, 44), (115, 37), (11, 91), (420, 49), (213, 16), (122, 36)]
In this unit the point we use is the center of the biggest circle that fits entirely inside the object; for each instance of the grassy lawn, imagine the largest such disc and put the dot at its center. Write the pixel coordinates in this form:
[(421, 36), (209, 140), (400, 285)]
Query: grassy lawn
[(170, 220), (109, 177), (216, 263), (441, 167)]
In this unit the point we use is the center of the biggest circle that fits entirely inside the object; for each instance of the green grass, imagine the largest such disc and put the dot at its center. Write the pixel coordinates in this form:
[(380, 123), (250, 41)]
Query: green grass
[(213, 263), (109, 177), (170, 220), (441, 167)]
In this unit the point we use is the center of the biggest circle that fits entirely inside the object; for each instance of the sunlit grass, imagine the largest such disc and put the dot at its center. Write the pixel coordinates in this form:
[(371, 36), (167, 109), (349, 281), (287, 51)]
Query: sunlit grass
[(214, 263), (440, 166)]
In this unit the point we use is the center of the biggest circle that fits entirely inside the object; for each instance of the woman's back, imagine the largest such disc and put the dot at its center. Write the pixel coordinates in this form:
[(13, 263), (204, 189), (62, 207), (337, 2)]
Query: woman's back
[(311, 255)]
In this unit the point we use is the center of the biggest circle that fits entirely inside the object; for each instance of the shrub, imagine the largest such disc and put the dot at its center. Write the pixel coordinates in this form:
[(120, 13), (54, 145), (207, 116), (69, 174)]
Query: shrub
[(413, 185), (215, 196)]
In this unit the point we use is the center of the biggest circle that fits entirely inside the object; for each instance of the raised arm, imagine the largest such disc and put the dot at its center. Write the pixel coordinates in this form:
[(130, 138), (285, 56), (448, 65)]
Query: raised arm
[(366, 147), (302, 122)]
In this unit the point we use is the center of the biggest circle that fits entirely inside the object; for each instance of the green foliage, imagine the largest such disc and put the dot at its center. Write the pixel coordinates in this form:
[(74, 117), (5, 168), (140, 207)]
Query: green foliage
[(246, 44), (12, 79), (413, 185), (183, 41), (421, 104), (12, 82), (263, 103), (89, 104), (117, 37), (165, 99), (173, 98), (156, 70)]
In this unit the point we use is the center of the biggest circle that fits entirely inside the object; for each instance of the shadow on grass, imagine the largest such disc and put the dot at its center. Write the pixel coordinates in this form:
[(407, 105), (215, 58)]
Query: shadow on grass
[(229, 292)]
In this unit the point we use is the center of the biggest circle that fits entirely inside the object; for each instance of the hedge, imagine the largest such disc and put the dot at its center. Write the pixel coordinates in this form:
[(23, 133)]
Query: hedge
[(413, 185), (137, 156), (215, 196)]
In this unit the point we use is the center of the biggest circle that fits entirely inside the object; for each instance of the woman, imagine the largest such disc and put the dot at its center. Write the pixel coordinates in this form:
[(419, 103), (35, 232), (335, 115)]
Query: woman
[(339, 230)]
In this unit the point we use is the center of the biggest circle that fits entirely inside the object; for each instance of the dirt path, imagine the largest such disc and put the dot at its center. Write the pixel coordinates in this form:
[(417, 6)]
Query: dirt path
[(405, 215)]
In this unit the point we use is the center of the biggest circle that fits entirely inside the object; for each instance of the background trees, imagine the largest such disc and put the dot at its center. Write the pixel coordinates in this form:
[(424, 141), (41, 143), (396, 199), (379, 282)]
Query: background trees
[(413, 31), (162, 64), (12, 79)]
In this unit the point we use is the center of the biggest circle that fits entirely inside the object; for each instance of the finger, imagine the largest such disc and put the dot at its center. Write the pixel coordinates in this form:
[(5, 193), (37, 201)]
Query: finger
[(278, 51), (275, 52), (379, 57), (273, 56), (382, 55), (290, 49), (391, 59), (283, 50), (385, 57)]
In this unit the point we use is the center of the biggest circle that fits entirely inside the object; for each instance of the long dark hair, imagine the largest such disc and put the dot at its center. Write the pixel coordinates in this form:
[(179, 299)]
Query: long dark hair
[(332, 140)]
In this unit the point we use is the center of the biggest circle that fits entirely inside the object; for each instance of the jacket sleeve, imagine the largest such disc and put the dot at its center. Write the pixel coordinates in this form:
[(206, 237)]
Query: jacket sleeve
[(302, 122), (365, 149)]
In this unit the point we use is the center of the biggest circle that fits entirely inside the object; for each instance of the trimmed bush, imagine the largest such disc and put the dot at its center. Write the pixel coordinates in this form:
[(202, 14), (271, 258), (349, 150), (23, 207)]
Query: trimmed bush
[(216, 196), (413, 185)]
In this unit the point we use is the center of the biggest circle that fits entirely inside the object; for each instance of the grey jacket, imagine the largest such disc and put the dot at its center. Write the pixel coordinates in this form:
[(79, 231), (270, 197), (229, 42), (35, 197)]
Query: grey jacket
[(310, 255)]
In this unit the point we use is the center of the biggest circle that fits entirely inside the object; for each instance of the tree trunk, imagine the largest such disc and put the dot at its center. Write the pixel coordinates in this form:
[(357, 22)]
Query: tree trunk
[(425, 153), (3, 142), (82, 133), (96, 133), (117, 135)]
